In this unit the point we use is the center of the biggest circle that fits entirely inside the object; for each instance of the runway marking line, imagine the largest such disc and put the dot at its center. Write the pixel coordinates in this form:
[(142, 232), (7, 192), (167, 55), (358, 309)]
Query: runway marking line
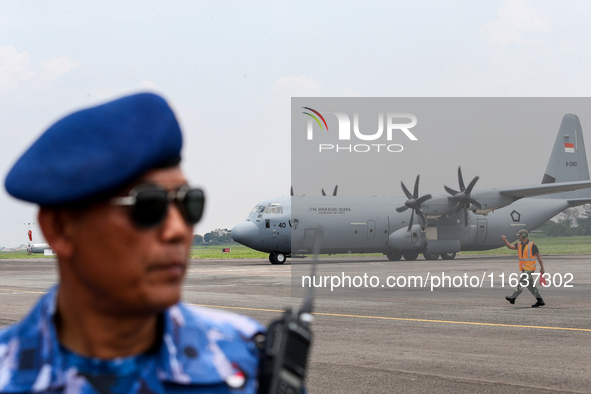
[(368, 317), (25, 291), (405, 319)]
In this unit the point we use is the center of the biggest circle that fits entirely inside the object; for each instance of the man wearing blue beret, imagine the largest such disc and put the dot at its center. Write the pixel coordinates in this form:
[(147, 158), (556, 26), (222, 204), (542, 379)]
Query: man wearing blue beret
[(118, 212)]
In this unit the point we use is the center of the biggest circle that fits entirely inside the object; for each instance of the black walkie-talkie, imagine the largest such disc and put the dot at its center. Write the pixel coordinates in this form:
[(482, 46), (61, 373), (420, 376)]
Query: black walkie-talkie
[(286, 347)]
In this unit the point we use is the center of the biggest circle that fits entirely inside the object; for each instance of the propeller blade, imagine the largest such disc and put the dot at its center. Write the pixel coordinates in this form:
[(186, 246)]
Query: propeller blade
[(323, 193), (461, 179), (291, 191), (423, 218), (454, 210), (476, 203), (412, 215), (465, 218), (471, 185), (335, 190), (423, 199), (450, 190), (401, 209), (408, 195), (416, 191)]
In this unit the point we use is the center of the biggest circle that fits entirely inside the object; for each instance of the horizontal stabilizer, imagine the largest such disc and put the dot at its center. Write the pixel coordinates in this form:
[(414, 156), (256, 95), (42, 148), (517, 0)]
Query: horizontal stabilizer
[(548, 188), (574, 202)]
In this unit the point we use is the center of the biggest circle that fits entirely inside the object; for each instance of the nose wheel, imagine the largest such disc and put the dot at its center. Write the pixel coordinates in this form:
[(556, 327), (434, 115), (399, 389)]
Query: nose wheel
[(277, 258)]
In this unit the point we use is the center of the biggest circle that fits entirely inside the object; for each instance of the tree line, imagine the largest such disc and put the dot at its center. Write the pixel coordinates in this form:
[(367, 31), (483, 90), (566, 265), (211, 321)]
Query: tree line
[(219, 236), (572, 222)]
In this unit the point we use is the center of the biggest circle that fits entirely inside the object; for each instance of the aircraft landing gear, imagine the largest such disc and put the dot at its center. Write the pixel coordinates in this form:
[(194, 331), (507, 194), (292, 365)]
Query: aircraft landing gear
[(448, 256), (394, 256), (397, 255), (410, 256), (431, 256), (277, 258)]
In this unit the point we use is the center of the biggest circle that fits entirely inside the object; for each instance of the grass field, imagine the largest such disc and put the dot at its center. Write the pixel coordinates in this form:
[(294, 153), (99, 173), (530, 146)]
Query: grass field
[(550, 245), (21, 254), (547, 245), (236, 252)]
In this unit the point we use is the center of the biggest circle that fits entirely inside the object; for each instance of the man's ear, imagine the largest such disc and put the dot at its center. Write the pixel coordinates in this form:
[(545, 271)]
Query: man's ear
[(57, 226)]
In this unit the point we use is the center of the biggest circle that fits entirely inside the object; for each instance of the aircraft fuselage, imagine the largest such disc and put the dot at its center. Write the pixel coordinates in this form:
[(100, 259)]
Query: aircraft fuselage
[(372, 225)]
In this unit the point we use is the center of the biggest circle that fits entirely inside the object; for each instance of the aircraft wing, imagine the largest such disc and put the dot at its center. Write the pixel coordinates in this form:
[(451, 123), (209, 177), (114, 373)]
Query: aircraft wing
[(573, 202), (547, 188)]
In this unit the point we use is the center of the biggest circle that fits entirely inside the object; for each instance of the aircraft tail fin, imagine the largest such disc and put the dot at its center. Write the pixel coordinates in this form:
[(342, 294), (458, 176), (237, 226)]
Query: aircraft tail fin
[(568, 161)]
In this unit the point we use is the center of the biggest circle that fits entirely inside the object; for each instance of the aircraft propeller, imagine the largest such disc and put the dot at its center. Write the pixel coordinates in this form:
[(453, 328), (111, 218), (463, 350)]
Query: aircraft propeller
[(462, 197), (414, 202), (334, 193)]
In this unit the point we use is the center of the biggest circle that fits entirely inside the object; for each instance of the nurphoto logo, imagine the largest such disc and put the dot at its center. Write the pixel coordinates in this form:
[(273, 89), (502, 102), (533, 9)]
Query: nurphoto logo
[(393, 127)]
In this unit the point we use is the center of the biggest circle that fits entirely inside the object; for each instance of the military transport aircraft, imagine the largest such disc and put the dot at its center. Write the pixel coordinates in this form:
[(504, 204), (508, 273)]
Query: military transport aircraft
[(435, 225), (38, 248)]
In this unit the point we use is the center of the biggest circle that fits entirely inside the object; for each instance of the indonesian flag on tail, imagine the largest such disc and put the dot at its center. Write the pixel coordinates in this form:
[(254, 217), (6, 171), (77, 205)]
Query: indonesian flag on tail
[(569, 148)]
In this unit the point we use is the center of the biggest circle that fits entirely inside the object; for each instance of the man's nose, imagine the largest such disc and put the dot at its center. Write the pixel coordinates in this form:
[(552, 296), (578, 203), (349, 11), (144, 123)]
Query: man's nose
[(175, 227)]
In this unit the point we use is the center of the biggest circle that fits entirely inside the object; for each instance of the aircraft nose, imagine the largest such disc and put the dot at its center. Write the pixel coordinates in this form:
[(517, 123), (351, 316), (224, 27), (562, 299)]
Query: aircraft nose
[(245, 233)]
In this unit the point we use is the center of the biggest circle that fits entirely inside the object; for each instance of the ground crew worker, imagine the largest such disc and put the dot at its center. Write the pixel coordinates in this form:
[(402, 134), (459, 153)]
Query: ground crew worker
[(528, 254), (119, 214)]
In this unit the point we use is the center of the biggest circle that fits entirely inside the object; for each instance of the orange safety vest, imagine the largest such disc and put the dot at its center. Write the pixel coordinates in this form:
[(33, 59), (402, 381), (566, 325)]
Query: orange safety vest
[(527, 261)]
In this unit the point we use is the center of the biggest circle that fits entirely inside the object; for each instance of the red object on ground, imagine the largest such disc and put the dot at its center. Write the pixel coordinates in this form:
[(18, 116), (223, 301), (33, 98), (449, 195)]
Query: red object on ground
[(226, 250)]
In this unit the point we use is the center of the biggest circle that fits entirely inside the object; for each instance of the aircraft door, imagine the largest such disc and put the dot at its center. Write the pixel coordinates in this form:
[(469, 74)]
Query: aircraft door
[(480, 231), (371, 228), (309, 238)]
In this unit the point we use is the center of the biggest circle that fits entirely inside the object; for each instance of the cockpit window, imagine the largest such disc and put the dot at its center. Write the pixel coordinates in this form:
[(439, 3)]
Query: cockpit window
[(274, 208), (258, 208)]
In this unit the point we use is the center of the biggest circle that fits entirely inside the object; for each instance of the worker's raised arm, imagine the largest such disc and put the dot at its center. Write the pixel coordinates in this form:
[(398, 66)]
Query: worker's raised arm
[(507, 244)]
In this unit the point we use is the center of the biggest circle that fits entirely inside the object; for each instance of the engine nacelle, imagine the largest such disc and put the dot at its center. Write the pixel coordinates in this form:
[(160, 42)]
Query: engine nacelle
[(402, 239)]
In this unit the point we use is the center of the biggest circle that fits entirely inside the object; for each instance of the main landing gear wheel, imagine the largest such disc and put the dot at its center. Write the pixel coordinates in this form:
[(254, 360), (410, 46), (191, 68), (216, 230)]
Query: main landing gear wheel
[(431, 256), (410, 256), (277, 258), (394, 256), (448, 256)]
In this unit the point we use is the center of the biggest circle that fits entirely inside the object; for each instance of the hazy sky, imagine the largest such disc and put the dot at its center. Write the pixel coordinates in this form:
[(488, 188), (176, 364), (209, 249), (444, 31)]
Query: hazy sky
[(229, 68)]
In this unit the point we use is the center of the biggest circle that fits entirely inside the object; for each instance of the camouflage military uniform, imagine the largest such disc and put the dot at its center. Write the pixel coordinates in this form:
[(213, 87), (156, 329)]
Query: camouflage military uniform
[(201, 351), (526, 278)]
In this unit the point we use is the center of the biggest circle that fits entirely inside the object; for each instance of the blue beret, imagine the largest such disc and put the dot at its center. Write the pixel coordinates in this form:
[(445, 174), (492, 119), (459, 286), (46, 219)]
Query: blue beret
[(97, 150)]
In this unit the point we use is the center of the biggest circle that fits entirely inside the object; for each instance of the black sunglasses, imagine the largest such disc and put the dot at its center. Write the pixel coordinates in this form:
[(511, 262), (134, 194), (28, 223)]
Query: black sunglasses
[(148, 204)]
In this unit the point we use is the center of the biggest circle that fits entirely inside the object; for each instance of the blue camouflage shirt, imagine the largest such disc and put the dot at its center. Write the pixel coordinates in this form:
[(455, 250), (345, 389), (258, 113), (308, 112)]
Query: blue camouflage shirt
[(202, 351)]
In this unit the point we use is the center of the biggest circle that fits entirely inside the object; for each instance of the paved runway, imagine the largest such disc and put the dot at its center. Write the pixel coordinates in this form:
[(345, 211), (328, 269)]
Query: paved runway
[(396, 339)]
